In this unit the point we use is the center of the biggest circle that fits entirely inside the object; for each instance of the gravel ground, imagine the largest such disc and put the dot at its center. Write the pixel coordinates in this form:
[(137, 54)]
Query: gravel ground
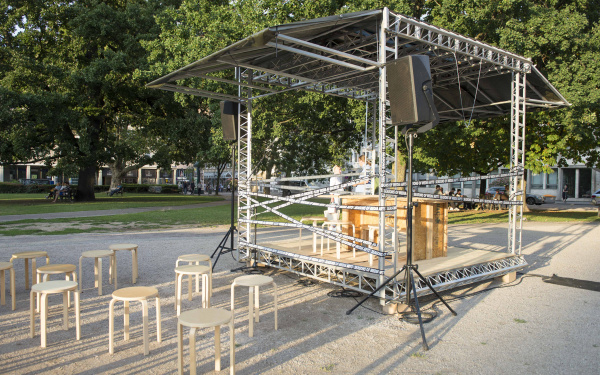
[(526, 327)]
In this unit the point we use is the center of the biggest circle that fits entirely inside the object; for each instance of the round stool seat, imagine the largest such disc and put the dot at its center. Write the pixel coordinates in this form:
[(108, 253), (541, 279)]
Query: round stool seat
[(97, 253), (57, 268), (253, 280), (192, 269), (5, 266), (55, 286), (135, 293), (123, 246), (29, 254), (193, 258), (203, 318)]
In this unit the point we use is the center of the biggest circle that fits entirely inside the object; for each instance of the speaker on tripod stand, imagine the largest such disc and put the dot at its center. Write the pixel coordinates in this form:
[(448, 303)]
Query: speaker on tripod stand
[(412, 106), (229, 122)]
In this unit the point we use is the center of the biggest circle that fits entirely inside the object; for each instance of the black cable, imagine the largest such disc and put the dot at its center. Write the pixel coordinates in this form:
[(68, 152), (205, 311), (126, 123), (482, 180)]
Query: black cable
[(344, 293), (306, 282)]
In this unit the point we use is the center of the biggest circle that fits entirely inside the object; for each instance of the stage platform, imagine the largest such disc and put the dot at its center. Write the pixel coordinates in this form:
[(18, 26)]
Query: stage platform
[(283, 249)]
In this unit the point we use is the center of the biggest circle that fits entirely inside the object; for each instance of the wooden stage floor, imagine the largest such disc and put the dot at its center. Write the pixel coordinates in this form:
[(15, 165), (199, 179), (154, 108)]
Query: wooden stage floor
[(457, 257)]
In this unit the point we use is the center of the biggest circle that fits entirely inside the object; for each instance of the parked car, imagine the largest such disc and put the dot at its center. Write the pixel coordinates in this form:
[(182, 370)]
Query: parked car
[(596, 197), (531, 199)]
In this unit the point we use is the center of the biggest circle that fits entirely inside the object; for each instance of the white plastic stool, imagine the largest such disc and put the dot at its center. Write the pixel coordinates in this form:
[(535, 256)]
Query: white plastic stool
[(205, 318), (196, 259), (4, 266), (134, 293), (52, 287), (338, 224), (314, 219), (253, 282), (191, 271), (98, 255)]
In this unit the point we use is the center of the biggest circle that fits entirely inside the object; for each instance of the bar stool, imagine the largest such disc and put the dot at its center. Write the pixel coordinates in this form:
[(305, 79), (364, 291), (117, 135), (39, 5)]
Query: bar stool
[(253, 282), (191, 270), (26, 255), (196, 259), (53, 287), (205, 318), (314, 219), (56, 269), (98, 255), (134, 293), (3, 267), (134, 257)]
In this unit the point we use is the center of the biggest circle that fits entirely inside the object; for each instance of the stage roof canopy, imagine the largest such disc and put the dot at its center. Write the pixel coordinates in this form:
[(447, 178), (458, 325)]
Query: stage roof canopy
[(339, 55)]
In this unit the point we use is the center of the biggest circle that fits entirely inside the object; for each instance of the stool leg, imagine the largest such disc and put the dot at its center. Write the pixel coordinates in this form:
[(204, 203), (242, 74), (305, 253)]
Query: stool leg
[(158, 323), (207, 277), (256, 304), (26, 273), (251, 312), (231, 346), (197, 280), (275, 300), (37, 308), (176, 288), (44, 318), (204, 287), (193, 351), (12, 289), (114, 261), (126, 320), (77, 315), (31, 314), (314, 238), (145, 326), (2, 288), (80, 274), (218, 348), (68, 278), (134, 266), (99, 276), (96, 272), (190, 278), (179, 348), (111, 327), (33, 270), (210, 290), (65, 311), (232, 301), (178, 295)]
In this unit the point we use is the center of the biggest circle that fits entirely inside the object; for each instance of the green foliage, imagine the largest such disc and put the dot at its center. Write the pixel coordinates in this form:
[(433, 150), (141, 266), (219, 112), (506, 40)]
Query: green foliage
[(563, 40)]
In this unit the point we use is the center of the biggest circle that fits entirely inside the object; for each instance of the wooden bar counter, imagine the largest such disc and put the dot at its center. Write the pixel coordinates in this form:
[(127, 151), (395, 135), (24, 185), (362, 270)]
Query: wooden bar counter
[(430, 222)]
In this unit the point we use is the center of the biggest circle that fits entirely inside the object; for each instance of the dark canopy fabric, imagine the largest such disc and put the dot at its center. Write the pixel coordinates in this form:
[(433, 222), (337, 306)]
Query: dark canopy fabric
[(339, 55)]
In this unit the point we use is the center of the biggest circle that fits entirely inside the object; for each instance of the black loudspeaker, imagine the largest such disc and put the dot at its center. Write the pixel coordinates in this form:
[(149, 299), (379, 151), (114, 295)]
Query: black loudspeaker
[(411, 94), (229, 120)]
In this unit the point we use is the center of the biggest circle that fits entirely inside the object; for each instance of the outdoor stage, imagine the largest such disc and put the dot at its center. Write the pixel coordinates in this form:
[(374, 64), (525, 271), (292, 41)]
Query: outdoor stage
[(283, 249)]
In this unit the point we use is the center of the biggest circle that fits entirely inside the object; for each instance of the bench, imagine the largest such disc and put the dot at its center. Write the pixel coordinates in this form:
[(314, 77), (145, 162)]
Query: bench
[(118, 190), (69, 195)]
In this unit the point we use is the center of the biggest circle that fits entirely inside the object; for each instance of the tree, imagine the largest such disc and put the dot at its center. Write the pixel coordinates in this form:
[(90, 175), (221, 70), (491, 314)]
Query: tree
[(77, 72), (563, 40)]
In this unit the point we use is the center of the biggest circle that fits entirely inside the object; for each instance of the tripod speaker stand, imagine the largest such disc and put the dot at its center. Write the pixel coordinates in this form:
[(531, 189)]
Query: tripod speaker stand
[(409, 267), (222, 247)]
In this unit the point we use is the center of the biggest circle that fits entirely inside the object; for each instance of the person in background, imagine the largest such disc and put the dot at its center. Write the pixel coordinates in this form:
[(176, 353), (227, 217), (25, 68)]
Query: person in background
[(333, 181), (565, 191), (363, 186), (438, 190)]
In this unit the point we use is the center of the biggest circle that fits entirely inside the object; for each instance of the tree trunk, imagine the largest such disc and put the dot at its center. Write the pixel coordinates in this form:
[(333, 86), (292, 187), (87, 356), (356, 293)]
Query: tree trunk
[(117, 173), (85, 186)]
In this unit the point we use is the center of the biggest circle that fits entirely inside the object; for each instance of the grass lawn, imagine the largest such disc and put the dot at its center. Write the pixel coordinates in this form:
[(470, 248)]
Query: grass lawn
[(165, 218), (206, 216), (22, 204)]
